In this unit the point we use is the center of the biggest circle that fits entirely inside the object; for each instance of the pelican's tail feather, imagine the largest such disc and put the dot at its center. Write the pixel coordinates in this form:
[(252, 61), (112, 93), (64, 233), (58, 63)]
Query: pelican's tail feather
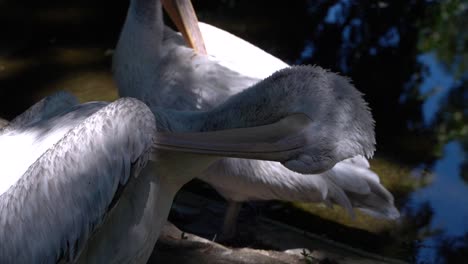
[(350, 184), (337, 195), (363, 190)]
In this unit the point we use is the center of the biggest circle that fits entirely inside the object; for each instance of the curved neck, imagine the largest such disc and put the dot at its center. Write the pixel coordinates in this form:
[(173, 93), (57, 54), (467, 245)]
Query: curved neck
[(264, 103), (251, 108)]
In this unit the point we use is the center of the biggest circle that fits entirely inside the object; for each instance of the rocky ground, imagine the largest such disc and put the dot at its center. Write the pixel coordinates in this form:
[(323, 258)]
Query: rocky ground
[(268, 241)]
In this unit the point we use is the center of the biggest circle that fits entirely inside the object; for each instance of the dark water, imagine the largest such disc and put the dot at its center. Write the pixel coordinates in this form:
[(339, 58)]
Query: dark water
[(410, 58)]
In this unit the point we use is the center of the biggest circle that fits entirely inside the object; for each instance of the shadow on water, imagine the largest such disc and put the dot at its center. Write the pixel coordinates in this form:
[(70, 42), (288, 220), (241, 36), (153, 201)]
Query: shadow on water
[(409, 58)]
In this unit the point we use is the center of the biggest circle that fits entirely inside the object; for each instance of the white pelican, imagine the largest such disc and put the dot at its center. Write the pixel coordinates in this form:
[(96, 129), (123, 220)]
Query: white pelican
[(94, 182), (152, 63)]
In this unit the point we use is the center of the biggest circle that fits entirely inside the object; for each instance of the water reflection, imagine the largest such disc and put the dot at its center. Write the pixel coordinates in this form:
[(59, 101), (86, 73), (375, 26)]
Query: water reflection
[(338, 12), (405, 56), (436, 82), (447, 196)]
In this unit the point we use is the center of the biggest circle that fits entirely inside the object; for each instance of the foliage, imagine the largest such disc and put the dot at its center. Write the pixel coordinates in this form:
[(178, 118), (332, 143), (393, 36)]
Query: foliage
[(444, 32)]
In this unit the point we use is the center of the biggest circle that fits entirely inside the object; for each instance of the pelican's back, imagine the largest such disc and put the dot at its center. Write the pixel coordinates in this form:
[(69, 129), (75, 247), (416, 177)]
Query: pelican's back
[(23, 143)]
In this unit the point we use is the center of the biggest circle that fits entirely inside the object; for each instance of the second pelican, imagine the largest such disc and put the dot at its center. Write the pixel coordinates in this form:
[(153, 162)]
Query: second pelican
[(153, 63)]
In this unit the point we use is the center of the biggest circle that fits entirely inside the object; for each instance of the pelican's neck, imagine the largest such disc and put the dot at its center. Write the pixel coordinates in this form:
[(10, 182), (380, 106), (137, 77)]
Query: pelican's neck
[(179, 121), (147, 12), (239, 112), (139, 48), (264, 103)]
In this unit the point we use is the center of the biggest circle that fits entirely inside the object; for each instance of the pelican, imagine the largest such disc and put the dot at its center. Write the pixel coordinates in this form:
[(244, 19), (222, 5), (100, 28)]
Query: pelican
[(152, 63), (94, 182)]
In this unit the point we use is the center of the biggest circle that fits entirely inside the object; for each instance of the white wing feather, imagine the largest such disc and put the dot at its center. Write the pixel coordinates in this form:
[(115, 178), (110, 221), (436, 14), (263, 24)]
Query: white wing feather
[(239, 55), (51, 211)]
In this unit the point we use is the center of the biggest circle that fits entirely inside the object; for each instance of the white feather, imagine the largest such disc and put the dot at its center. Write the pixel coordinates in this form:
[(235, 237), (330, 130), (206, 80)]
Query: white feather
[(70, 180)]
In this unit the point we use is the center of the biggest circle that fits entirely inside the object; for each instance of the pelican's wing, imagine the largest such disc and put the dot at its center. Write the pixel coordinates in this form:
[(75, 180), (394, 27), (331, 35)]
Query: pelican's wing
[(239, 55), (45, 108), (196, 82), (345, 184), (62, 198)]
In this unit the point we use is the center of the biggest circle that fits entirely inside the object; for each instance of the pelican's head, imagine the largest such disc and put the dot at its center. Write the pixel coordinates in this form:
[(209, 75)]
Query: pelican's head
[(340, 118), (321, 110), (341, 121)]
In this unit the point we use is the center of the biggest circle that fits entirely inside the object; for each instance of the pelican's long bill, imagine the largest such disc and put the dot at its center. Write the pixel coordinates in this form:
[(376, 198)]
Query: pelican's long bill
[(183, 15), (278, 141)]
